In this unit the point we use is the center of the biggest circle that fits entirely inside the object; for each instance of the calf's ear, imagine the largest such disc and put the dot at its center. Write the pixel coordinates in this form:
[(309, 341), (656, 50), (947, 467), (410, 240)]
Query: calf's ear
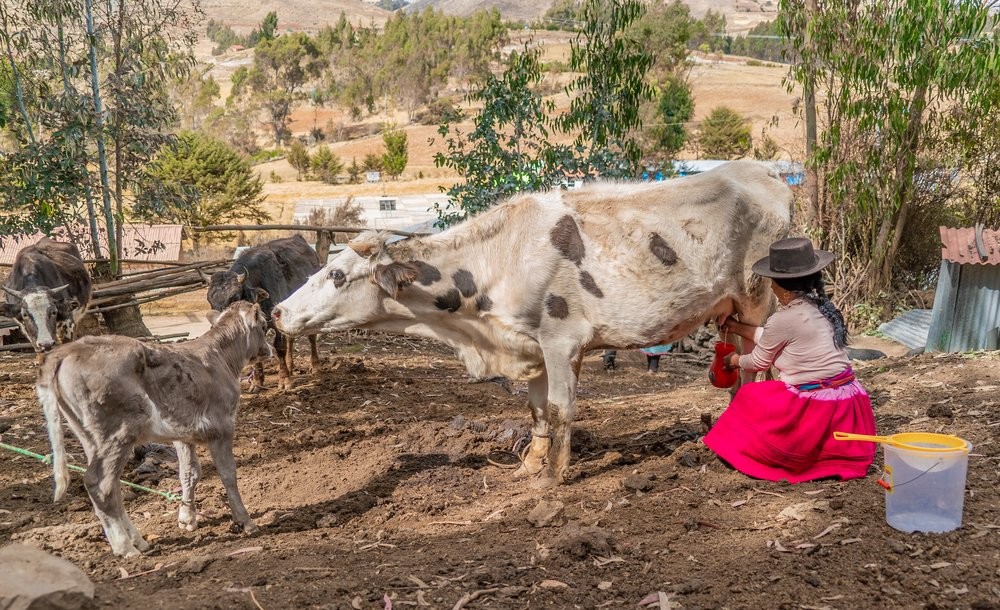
[(213, 317), (394, 277), (261, 295)]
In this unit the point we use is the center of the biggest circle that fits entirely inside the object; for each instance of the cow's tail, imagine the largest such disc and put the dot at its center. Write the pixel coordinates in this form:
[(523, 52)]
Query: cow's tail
[(47, 389)]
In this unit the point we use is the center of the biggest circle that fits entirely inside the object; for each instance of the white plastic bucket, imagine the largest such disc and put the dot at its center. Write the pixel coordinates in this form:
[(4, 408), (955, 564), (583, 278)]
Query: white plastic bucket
[(924, 489)]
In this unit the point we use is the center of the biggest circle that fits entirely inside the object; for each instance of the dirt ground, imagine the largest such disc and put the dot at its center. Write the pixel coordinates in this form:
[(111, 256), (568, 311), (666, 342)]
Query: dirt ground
[(375, 485)]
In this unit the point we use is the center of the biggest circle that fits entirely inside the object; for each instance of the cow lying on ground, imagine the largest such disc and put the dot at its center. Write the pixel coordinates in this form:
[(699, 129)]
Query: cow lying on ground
[(116, 392), (276, 268), (526, 288), (47, 292)]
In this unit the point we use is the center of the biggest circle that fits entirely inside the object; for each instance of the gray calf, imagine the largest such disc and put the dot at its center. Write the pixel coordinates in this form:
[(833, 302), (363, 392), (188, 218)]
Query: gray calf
[(116, 392)]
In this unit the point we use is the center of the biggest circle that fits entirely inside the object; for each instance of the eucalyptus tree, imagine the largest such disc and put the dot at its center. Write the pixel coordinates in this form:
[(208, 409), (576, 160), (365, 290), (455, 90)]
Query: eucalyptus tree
[(907, 87), (93, 109)]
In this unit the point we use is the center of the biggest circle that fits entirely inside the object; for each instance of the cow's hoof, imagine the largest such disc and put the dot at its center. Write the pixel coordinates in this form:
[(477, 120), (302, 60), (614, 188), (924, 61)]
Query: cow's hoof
[(527, 470), (128, 551), (188, 526), (141, 544), (544, 482), (255, 389)]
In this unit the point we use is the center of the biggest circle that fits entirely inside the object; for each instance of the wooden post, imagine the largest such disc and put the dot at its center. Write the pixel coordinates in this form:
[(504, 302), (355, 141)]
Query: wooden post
[(323, 241)]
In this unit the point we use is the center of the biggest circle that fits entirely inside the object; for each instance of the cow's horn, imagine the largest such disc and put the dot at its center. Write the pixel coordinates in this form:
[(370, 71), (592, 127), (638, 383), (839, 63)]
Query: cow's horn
[(59, 289), (14, 293), (241, 277), (365, 244)]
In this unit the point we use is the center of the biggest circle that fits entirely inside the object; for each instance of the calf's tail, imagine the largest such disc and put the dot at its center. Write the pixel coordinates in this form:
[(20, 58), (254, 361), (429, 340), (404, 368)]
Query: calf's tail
[(50, 397)]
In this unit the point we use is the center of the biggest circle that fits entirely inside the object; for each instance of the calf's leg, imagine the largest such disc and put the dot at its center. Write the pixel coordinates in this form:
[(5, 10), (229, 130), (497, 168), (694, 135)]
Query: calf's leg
[(190, 473), (107, 462), (222, 454)]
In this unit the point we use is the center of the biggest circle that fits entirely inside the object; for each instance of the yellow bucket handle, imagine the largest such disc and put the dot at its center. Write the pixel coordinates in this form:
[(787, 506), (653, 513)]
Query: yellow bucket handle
[(956, 443)]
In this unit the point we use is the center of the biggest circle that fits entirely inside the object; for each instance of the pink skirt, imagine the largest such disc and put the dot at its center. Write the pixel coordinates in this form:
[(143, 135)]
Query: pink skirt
[(775, 431)]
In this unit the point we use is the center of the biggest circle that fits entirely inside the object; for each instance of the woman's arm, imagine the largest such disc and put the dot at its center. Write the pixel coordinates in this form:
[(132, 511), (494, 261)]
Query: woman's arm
[(770, 340), (747, 331)]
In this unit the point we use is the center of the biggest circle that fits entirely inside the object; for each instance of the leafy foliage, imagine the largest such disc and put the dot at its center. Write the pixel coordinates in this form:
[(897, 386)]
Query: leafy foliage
[(325, 164), (298, 157), (199, 181), (282, 67), (508, 149), (224, 37), (396, 153), (724, 134), (908, 89), (674, 108)]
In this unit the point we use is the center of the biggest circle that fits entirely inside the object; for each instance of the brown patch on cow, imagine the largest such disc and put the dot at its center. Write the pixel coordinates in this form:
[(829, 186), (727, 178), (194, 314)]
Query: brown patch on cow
[(464, 282), (566, 238), (427, 274), (484, 303), (661, 250), (588, 283), (695, 229), (450, 300), (557, 306)]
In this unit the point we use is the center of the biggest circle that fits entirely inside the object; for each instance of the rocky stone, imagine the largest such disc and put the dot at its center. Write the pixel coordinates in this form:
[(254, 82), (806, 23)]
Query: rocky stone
[(195, 565), (638, 482), (31, 578), (546, 513), (940, 410), (583, 542)]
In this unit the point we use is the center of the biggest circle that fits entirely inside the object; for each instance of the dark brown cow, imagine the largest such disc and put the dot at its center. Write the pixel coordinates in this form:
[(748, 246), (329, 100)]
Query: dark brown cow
[(116, 392), (47, 292)]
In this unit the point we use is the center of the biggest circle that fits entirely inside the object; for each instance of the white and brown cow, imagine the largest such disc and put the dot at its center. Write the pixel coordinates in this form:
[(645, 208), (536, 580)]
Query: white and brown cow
[(526, 288), (116, 392)]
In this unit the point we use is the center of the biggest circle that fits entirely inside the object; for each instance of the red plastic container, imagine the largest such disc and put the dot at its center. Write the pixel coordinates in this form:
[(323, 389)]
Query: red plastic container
[(718, 374)]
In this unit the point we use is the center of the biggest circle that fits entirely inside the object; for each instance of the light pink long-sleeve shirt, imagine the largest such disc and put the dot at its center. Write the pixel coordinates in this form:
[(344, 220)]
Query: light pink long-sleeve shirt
[(798, 341)]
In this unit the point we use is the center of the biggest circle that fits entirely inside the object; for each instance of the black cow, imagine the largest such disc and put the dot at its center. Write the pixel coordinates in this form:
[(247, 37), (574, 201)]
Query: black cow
[(47, 292), (266, 274)]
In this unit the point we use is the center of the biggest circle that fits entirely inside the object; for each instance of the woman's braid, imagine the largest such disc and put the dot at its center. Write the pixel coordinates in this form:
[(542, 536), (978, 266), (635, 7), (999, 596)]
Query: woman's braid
[(813, 289)]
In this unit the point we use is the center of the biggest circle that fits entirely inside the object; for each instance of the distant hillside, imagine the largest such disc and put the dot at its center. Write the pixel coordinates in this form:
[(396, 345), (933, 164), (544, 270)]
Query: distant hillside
[(300, 15), (509, 9)]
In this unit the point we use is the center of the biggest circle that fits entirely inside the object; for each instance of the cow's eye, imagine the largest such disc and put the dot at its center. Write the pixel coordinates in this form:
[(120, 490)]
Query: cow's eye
[(337, 276)]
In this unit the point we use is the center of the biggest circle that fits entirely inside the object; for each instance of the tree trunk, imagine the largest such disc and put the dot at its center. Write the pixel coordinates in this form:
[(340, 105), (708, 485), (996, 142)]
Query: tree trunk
[(126, 321), (102, 156), (893, 225), (809, 99)]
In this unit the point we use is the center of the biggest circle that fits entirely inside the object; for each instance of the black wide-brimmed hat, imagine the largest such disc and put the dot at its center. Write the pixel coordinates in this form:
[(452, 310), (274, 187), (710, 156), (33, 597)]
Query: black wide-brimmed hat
[(792, 257)]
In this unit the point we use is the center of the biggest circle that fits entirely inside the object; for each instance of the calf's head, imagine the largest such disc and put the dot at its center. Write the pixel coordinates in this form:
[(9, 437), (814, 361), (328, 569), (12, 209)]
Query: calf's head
[(349, 291), (228, 287), (37, 312), (242, 319)]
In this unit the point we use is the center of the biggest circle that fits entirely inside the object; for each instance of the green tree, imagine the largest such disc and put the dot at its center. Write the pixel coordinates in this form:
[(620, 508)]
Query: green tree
[(281, 69), (905, 87), (674, 108), (604, 108), (199, 181), (298, 157), (354, 171), (396, 153), (724, 134), (373, 163), (326, 165), (508, 149)]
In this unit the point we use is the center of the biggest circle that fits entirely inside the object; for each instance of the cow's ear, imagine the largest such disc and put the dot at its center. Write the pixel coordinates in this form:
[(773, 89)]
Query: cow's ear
[(74, 303), (394, 277), (261, 295), (7, 310), (213, 317)]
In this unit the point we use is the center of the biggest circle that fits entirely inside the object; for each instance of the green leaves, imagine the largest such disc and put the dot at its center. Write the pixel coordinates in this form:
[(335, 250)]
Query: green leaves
[(199, 181), (724, 134), (396, 154)]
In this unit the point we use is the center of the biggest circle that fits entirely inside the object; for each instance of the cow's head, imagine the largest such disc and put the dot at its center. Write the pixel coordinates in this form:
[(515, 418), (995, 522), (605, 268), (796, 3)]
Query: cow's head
[(243, 318), (228, 287), (38, 310), (349, 291)]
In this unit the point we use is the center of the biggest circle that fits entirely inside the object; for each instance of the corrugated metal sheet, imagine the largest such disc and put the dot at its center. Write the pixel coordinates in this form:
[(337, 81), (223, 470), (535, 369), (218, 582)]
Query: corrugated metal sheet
[(959, 246), (153, 243), (966, 308), (910, 328)]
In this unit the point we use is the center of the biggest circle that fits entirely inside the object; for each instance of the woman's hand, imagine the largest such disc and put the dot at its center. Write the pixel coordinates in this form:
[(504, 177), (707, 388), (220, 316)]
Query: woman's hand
[(732, 325), (732, 361)]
